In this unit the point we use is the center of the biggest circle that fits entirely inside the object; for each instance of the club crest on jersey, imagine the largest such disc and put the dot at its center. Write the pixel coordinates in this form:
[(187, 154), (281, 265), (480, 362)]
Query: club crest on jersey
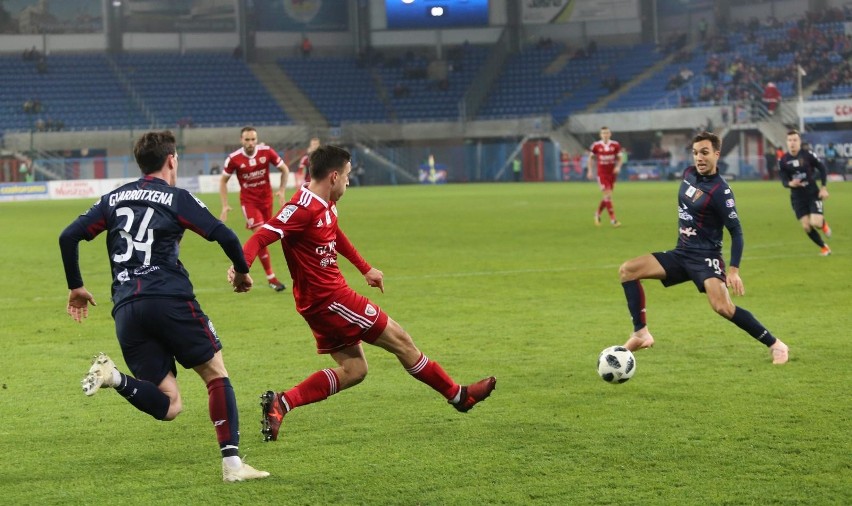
[(729, 203), (262, 159), (370, 310), (698, 194), (287, 212)]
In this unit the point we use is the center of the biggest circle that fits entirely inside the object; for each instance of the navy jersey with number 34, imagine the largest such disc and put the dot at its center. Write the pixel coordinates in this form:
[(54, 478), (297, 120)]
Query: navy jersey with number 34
[(144, 221)]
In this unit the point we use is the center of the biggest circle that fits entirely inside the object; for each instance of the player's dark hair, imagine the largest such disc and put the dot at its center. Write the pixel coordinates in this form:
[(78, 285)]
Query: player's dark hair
[(709, 136), (604, 128), (794, 132), (247, 129), (152, 149), (326, 159)]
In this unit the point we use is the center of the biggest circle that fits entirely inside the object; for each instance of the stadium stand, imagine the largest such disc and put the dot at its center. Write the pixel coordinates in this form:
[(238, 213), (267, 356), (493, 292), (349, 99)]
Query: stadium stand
[(71, 92), (200, 89)]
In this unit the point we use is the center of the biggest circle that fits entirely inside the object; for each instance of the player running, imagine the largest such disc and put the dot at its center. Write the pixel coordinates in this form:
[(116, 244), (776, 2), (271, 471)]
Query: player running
[(157, 319), (252, 165), (339, 317), (606, 154), (303, 173), (705, 205), (797, 171)]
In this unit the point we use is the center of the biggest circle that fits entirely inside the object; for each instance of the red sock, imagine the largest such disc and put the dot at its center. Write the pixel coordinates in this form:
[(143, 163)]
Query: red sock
[(267, 264), (432, 374), (316, 387), (601, 206), (610, 210)]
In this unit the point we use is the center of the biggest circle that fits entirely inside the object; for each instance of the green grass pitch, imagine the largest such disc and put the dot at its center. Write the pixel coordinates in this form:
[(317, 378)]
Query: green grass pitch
[(511, 280)]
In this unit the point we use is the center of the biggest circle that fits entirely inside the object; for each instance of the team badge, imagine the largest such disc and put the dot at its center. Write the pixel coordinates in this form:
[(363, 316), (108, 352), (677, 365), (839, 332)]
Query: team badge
[(698, 194), (370, 310), (287, 212), (262, 159)]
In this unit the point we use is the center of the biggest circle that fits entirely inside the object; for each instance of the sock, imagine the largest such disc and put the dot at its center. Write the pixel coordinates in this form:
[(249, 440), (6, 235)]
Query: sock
[(601, 206), (433, 374), (263, 255), (610, 210), (635, 303), (815, 237), (316, 387), (144, 396), (746, 321), (222, 404), (233, 462)]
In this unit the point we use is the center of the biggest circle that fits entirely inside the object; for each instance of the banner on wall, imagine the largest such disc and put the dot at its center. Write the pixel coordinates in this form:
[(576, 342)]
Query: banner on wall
[(827, 111), (51, 16), (167, 16), (301, 16), (565, 11)]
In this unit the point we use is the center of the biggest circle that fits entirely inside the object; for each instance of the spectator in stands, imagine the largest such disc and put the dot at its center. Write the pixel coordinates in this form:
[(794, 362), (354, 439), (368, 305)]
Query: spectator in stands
[(307, 46), (702, 29), (771, 97), (400, 90)]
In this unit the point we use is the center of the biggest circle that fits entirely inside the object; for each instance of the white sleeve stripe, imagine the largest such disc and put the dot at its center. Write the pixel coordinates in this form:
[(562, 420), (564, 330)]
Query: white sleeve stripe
[(278, 231)]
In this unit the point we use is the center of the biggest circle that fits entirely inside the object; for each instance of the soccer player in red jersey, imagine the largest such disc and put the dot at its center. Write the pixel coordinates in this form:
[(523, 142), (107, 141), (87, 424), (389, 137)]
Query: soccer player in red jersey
[(339, 317), (252, 164), (606, 153), (303, 173)]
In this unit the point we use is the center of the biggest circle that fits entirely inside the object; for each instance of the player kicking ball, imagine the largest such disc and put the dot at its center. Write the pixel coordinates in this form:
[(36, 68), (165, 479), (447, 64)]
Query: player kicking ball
[(339, 317)]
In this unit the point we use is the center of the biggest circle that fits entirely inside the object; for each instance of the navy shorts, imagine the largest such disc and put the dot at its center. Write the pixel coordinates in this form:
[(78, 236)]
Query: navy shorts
[(805, 205), (698, 266), (153, 333)]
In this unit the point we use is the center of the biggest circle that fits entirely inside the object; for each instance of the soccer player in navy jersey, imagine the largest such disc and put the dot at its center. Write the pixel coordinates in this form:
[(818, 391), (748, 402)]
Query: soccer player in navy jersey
[(706, 205), (339, 317), (798, 170), (157, 319)]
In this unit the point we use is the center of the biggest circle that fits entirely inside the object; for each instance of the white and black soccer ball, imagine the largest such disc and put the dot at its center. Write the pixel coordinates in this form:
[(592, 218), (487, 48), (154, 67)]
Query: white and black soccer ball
[(616, 364)]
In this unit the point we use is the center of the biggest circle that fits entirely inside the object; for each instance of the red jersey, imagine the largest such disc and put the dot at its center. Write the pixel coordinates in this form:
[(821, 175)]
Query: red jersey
[(309, 235), (253, 173), (607, 155), (305, 167)]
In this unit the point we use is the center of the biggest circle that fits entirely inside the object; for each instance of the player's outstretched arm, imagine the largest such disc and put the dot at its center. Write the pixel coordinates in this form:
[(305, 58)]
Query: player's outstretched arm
[(223, 196), (375, 278), (282, 187), (78, 303)]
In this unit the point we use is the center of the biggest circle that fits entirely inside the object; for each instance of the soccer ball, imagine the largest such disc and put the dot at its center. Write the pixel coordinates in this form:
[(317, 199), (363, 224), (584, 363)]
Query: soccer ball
[(616, 364)]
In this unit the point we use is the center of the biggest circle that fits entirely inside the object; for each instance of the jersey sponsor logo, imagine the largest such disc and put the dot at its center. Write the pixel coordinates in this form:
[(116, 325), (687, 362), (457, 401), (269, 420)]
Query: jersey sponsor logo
[(688, 231), (287, 212), (729, 203), (370, 310), (252, 162), (149, 195), (123, 277), (328, 262), (684, 214), (255, 174), (727, 191), (733, 215)]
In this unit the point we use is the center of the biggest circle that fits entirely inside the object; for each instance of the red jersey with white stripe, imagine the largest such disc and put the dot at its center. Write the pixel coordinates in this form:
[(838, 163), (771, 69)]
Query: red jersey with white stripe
[(309, 235), (253, 173), (606, 155)]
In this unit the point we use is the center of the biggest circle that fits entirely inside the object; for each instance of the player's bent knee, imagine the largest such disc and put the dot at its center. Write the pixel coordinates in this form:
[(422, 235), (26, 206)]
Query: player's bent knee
[(175, 408)]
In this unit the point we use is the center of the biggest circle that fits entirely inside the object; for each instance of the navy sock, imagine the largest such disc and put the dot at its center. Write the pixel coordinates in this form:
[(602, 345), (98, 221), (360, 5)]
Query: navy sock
[(815, 237), (222, 404), (635, 303), (746, 321), (144, 396)]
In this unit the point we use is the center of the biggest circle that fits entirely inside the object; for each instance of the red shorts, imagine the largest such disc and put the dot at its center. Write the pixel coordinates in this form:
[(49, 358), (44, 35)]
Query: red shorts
[(345, 319), (606, 181), (256, 214)]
